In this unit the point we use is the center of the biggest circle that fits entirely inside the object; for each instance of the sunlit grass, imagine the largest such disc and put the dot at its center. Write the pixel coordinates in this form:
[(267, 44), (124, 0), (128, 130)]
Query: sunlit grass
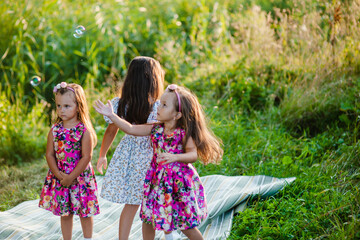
[(21, 183), (279, 81)]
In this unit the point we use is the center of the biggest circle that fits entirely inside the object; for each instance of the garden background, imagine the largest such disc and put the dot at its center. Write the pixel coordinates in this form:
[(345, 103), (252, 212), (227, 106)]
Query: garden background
[(279, 81)]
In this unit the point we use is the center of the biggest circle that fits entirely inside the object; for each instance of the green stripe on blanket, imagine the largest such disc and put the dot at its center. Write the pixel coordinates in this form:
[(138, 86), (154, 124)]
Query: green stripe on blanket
[(225, 196)]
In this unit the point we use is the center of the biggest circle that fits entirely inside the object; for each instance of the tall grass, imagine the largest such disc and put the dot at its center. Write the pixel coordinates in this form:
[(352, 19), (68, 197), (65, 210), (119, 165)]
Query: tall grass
[(22, 134), (278, 79)]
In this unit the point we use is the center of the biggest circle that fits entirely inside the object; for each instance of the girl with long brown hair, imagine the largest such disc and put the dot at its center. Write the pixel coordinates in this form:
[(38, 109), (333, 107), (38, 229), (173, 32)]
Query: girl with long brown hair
[(174, 196), (138, 102)]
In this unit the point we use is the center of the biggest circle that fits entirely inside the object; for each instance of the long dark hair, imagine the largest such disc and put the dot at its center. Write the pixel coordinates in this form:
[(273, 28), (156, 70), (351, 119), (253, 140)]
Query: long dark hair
[(193, 121), (143, 85)]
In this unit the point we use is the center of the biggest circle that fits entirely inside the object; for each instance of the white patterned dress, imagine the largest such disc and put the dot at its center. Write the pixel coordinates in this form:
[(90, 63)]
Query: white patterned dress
[(124, 178)]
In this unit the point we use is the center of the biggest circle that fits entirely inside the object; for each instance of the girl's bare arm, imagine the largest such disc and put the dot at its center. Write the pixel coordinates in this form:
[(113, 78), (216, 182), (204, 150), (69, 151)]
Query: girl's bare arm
[(136, 130), (108, 139), (190, 155), (50, 156)]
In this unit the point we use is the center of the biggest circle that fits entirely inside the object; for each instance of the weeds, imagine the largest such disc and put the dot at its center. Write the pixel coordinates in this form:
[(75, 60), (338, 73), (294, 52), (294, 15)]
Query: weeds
[(279, 81), (22, 133)]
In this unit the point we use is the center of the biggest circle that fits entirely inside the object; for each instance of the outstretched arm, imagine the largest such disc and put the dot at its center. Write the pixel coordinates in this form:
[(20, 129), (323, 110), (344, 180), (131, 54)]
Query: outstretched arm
[(190, 155), (136, 130)]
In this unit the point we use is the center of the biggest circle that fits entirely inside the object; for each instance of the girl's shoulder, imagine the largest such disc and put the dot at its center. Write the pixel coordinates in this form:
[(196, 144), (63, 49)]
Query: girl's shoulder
[(181, 131), (156, 104), (157, 127), (156, 133), (157, 130), (153, 114), (59, 127), (115, 103), (80, 127), (115, 100), (179, 134), (56, 126)]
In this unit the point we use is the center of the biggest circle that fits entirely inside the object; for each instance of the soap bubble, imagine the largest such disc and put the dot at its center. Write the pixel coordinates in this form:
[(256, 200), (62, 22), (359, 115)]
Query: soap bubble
[(35, 81), (79, 31)]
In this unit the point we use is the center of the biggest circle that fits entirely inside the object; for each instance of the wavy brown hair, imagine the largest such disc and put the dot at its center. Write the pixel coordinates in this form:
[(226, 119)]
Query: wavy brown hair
[(143, 85), (83, 114), (194, 123)]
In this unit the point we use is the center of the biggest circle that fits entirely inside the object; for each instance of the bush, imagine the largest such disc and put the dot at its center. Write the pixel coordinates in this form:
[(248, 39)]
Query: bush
[(314, 108), (22, 134)]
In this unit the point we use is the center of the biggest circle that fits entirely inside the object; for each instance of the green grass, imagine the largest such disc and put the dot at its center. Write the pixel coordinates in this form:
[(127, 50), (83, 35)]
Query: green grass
[(280, 83), (21, 127), (21, 183), (322, 202)]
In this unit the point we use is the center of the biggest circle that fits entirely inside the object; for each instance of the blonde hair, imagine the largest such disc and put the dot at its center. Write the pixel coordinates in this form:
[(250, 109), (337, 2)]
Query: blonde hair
[(194, 123), (83, 114)]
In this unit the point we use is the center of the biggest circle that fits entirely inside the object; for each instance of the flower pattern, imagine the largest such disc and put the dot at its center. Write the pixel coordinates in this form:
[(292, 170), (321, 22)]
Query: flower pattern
[(80, 198), (174, 196), (124, 178)]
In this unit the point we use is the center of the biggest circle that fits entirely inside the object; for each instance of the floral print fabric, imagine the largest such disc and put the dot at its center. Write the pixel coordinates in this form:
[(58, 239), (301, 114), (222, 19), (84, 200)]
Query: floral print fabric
[(124, 178), (80, 198), (174, 196)]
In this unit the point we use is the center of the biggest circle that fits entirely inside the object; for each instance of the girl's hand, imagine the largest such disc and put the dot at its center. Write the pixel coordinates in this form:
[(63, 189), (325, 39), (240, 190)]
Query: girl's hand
[(102, 161), (67, 180), (106, 110), (62, 175), (166, 158), (59, 176)]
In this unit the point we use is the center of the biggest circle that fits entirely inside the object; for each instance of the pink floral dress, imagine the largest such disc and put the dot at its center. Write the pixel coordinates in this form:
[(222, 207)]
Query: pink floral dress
[(80, 198), (174, 196)]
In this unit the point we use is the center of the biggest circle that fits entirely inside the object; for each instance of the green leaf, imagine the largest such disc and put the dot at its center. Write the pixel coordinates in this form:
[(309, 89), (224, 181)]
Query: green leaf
[(286, 160)]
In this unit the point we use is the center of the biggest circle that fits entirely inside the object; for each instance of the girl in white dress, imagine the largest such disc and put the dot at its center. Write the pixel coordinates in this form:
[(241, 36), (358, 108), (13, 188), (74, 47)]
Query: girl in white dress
[(124, 179)]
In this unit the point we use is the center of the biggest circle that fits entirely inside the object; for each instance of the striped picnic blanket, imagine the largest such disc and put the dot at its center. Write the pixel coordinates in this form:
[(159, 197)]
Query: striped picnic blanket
[(225, 196)]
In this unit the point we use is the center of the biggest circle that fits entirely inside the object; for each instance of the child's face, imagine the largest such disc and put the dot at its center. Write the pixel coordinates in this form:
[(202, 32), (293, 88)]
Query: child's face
[(166, 110), (66, 107)]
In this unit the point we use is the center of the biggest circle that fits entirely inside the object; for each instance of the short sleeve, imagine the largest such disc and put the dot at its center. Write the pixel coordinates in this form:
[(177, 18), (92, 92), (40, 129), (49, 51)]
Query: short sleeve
[(54, 128), (115, 104), (152, 116), (154, 134)]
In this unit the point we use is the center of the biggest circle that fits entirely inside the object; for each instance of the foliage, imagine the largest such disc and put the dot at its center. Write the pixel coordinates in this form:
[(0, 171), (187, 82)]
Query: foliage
[(304, 55), (22, 134), (279, 81), (322, 202)]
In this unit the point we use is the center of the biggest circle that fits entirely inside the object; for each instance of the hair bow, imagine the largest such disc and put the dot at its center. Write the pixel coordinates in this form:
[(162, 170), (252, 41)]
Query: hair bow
[(62, 85)]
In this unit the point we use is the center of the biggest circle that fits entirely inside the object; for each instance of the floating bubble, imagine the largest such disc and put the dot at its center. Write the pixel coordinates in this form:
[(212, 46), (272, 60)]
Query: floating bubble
[(77, 35), (79, 31), (35, 81)]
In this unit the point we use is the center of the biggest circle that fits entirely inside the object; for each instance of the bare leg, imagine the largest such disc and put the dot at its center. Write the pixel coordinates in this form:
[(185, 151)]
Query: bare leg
[(66, 226), (87, 226), (148, 231), (126, 220), (193, 234)]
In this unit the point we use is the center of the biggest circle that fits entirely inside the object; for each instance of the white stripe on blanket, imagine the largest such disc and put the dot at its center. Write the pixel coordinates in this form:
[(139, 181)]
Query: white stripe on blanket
[(225, 196)]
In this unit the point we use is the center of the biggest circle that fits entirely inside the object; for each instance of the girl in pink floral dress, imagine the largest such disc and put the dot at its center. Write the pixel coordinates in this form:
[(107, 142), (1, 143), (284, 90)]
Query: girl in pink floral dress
[(174, 196), (70, 186)]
